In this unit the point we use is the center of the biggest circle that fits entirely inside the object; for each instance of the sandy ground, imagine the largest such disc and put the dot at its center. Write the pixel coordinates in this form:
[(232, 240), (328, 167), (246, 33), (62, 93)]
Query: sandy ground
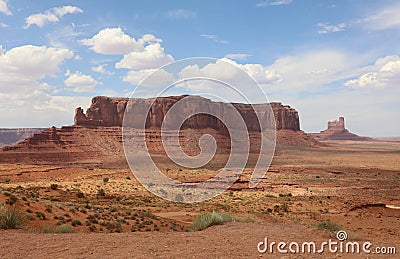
[(233, 240)]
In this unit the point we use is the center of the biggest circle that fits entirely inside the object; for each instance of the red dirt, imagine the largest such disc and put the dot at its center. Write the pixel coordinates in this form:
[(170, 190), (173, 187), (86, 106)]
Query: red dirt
[(233, 240)]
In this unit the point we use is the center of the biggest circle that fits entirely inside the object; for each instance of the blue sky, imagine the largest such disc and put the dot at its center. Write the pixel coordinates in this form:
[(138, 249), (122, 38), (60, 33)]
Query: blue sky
[(324, 58)]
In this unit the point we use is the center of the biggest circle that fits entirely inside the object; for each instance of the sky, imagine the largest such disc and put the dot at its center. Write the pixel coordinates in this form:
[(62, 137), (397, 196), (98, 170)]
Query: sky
[(324, 58)]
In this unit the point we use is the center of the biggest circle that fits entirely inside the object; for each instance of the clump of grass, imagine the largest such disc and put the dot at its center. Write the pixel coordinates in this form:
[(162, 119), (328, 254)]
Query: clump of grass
[(40, 215), (62, 229), (101, 193), (12, 200), (80, 194), (11, 217), (332, 227), (76, 222), (206, 220)]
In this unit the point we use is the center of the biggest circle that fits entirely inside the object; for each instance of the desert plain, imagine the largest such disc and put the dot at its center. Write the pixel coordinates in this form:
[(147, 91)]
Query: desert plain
[(308, 194)]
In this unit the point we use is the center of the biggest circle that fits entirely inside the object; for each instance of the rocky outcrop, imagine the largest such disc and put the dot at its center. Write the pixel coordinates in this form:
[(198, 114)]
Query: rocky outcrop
[(336, 125), (337, 131), (13, 136), (105, 111)]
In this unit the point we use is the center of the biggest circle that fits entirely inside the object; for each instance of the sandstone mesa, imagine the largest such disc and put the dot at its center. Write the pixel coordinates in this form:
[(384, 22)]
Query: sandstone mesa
[(96, 136)]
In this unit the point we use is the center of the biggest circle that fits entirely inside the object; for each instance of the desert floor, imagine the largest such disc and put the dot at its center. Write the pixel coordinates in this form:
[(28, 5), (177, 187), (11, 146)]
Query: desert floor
[(307, 195)]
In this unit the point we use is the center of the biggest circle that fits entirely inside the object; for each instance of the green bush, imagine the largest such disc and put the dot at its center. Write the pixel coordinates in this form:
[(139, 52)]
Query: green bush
[(11, 217), (92, 228), (62, 229), (332, 227), (206, 220), (40, 215), (76, 222)]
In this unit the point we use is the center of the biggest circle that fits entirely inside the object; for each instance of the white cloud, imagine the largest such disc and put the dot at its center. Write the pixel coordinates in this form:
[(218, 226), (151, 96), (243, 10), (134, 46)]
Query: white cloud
[(51, 15), (237, 56), (386, 73), (40, 110), (209, 36), (227, 71), (149, 39), (262, 74), (310, 71), (363, 81), (274, 3), (326, 28), (180, 14), (22, 90), (152, 56), (80, 82), (222, 70), (59, 103), (101, 69), (63, 36), (158, 78), (4, 7), (214, 38), (29, 63), (63, 10), (386, 18), (146, 53), (114, 41), (218, 75), (3, 25)]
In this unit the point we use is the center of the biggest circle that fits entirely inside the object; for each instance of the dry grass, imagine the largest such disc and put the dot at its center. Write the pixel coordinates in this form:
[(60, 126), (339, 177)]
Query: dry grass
[(11, 217), (62, 229), (206, 220)]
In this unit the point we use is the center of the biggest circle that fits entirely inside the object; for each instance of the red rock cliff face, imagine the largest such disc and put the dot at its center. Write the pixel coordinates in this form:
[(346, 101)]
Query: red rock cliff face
[(103, 111), (285, 117), (106, 111)]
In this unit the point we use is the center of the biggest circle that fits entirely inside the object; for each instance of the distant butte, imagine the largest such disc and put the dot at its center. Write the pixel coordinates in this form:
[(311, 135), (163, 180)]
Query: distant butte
[(337, 131)]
